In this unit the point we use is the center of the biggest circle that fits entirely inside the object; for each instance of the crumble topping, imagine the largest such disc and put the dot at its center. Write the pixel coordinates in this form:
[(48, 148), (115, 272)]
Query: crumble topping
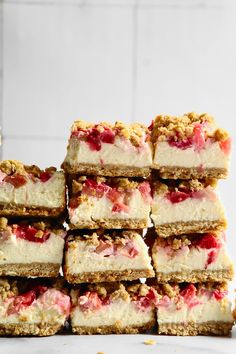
[(183, 128), (8, 288), (3, 224), (133, 132), (162, 187), (17, 167)]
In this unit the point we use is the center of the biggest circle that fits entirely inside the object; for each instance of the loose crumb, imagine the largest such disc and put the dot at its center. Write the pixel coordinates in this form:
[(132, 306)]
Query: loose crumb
[(100, 353), (149, 342)]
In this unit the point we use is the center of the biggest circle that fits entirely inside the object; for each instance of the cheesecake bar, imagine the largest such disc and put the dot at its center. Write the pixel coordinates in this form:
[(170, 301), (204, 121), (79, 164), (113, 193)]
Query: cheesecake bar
[(109, 150), (192, 258), (182, 207), (190, 146), (32, 308), (30, 249), (106, 256), (29, 191), (113, 308), (188, 309), (110, 203)]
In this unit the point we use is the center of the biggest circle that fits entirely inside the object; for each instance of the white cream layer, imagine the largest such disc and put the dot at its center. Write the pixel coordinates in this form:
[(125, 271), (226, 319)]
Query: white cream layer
[(81, 258), (44, 310), (125, 313), (49, 194), (191, 209), (122, 152), (16, 250), (210, 157), (101, 208), (187, 259), (209, 310)]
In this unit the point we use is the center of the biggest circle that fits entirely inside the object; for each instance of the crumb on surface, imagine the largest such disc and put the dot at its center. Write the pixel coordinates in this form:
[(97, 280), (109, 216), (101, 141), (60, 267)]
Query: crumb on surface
[(149, 342)]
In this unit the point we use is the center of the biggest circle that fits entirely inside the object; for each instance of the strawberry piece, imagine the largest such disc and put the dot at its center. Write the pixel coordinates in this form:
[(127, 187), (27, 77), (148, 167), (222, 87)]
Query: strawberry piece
[(164, 302), (145, 302), (119, 208), (219, 295), (199, 137), (107, 136), (145, 189), (211, 258), (28, 233), (151, 126), (208, 241), (180, 144), (114, 195), (93, 139), (44, 176), (226, 146), (95, 189), (90, 301), (16, 180), (189, 295), (177, 197), (128, 250), (73, 203), (104, 249), (21, 301)]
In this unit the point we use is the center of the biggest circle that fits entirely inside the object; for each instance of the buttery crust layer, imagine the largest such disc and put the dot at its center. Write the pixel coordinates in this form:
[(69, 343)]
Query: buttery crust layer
[(196, 276), (116, 328), (107, 275), (21, 210), (193, 329), (106, 170), (34, 269), (180, 228), (111, 224), (29, 329), (169, 172)]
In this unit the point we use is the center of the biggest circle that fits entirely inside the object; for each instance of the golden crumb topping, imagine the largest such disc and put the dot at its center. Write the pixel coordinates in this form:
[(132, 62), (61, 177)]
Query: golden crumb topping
[(8, 288), (136, 133), (164, 186), (16, 167)]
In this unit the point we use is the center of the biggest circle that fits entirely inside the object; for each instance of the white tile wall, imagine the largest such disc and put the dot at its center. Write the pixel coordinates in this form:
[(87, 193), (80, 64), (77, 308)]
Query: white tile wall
[(114, 59)]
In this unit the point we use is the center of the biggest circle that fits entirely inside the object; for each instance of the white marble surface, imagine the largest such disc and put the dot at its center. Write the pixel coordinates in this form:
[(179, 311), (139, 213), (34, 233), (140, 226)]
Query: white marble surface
[(122, 344)]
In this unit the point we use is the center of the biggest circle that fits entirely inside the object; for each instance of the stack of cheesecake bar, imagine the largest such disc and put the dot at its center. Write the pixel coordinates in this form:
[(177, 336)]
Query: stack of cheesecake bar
[(33, 300), (141, 203)]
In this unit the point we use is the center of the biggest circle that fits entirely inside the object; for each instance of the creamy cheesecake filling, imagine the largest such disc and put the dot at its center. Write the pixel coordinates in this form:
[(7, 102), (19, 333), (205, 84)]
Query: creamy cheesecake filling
[(82, 256), (103, 208), (188, 258), (48, 194), (51, 306), (206, 310), (212, 156), (121, 152), (190, 209), (16, 250), (122, 312)]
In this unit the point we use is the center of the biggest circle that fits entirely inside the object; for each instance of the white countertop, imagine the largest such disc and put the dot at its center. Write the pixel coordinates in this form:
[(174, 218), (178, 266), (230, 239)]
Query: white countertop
[(119, 344)]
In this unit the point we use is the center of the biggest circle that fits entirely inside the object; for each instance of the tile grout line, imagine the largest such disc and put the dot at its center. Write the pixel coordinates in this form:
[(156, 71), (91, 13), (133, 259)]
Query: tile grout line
[(134, 63)]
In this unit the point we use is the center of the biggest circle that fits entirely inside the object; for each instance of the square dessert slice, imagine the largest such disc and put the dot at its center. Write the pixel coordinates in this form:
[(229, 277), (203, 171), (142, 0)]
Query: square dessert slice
[(191, 146), (192, 258), (109, 150), (110, 203), (29, 191), (113, 308), (30, 249), (32, 307), (188, 309), (106, 256), (181, 207)]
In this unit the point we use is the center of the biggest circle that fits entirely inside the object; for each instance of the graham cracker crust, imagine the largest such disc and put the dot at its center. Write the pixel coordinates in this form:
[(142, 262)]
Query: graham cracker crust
[(168, 172), (34, 269), (196, 276), (21, 210), (192, 329), (179, 228), (29, 329), (107, 275), (117, 328), (111, 224), (107, 170)]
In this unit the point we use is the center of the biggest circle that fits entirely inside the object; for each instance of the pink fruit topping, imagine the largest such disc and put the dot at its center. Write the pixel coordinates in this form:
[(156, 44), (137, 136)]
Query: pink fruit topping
[(45, 176), (145, 302), (180, 144), (197, 140), (96, 136), (226, 146), (183, 193), (208, 241), (16, 180), (146, 192), (24, 300), (189, 295), (178, 196), (107, 249), (211, 258), (90, 301), (29, 233), (219, 295)]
